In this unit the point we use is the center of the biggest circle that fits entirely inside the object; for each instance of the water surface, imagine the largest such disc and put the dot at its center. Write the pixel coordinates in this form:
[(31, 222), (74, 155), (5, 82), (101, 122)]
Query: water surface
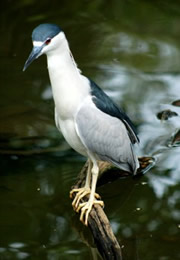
[(130, 49)]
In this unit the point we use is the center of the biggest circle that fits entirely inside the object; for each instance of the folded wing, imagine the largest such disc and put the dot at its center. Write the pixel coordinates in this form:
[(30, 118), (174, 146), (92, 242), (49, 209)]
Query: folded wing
[(105, 136)]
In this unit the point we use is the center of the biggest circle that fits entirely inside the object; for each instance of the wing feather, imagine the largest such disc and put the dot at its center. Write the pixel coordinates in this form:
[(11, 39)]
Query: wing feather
[(105, 104), (105, 136)]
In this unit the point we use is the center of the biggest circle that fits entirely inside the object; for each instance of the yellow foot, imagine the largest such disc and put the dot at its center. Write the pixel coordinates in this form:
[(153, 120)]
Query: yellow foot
[(86, 207), (81, 192)]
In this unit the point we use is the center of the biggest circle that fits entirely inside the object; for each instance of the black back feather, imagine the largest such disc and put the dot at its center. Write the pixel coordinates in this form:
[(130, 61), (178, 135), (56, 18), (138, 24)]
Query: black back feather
[(105, 104)]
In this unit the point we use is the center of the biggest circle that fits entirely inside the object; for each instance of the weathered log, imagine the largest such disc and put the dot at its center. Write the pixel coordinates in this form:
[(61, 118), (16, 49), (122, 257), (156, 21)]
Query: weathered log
[(98, 222)]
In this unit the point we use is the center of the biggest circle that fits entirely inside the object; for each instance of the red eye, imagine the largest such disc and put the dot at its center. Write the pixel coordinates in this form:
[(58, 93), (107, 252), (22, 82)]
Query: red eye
[(47, 41)]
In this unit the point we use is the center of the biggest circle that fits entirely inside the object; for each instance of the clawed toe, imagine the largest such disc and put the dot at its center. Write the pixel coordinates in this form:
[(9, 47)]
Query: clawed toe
[(86, 207), (80, 194)]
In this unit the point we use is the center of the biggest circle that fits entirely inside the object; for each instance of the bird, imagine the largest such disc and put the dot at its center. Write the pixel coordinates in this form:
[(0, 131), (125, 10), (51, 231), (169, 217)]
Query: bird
[(91, 123)]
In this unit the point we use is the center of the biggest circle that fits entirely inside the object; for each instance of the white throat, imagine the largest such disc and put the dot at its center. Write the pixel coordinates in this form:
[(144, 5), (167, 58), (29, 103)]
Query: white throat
[(68, 85)]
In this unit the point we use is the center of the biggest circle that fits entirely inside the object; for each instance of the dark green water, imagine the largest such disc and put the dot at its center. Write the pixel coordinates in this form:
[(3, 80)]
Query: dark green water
[(132, 50)]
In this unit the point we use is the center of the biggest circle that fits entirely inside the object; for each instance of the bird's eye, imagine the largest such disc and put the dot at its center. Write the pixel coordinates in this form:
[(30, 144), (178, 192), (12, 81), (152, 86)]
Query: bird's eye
[(47, 41)]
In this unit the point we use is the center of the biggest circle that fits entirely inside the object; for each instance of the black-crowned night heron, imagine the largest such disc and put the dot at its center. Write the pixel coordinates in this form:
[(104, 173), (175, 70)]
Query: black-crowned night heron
[(88, 119)]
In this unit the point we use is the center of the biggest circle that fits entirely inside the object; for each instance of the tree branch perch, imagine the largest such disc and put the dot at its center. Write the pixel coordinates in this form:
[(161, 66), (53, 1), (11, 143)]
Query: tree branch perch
[(98, 222)]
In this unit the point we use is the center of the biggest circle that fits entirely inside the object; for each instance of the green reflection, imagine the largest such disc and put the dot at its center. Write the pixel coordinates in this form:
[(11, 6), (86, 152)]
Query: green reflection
[(131, 49)]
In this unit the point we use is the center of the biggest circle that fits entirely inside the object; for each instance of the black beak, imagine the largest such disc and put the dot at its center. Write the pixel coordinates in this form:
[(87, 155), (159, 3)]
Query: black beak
[(36, 52)]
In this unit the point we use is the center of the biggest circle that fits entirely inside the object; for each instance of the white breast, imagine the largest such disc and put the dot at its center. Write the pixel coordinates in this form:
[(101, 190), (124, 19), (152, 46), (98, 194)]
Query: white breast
[(67, 127), (70, 88)]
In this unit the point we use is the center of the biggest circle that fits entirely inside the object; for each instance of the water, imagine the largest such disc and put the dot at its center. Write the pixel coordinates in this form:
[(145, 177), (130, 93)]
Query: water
[(131, 49)]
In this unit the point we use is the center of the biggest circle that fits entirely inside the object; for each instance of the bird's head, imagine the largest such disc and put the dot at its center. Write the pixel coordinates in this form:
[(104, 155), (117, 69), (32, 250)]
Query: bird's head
[(45, 38)]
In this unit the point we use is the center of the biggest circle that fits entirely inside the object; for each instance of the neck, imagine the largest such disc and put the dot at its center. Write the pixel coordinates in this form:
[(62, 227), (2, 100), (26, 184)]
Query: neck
[(68, 85), (62, 64)]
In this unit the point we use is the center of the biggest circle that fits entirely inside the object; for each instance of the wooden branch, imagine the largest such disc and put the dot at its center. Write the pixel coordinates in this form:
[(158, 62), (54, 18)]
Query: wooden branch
[(98, 222)]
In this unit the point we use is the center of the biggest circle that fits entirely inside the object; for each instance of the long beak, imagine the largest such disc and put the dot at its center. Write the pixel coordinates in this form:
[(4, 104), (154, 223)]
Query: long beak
[(35, 53)]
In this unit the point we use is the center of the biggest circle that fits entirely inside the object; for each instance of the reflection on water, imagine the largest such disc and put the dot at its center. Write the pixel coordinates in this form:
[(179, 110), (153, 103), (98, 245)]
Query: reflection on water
[(131, 49)]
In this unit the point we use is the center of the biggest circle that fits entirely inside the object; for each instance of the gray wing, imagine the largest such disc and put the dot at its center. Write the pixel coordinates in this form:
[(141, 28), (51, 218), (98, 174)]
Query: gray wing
[(106, 105), (105, 136)]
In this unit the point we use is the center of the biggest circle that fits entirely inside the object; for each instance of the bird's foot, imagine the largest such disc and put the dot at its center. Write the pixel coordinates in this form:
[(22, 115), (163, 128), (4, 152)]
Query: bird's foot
[(80, 193), (86, 207)]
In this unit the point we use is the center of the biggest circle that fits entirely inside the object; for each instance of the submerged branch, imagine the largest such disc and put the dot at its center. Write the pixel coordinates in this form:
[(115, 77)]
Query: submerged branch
[(98, 222)]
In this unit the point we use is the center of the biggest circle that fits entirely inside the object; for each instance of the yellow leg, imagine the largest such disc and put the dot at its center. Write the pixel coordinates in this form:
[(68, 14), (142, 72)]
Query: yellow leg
[(82, 192), (87, 206), (89, 188)]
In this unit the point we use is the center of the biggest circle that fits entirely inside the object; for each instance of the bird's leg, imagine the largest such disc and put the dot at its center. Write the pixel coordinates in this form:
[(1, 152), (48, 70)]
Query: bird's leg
[(87, 206), (81, 192), (88, 177)]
